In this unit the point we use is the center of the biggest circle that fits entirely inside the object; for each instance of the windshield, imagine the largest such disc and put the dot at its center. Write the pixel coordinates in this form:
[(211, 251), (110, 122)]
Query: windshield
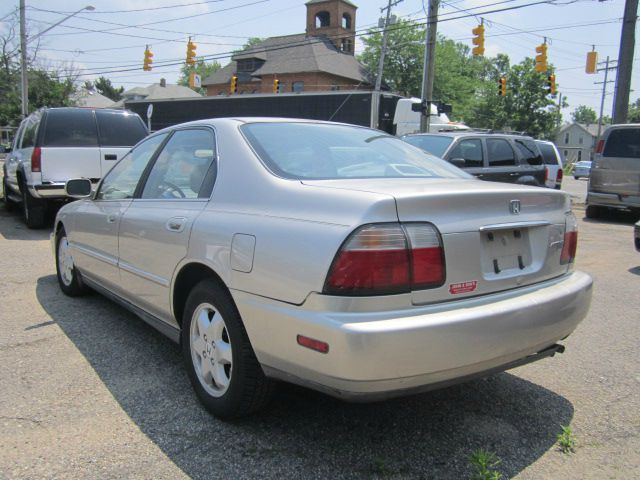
[(433, 144), (325, 151)]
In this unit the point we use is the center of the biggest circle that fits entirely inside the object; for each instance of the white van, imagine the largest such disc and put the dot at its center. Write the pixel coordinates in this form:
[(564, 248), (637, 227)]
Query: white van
[(406, 121)]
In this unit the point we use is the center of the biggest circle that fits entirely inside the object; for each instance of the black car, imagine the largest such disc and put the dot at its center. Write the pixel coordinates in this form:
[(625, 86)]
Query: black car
[(496, 157)]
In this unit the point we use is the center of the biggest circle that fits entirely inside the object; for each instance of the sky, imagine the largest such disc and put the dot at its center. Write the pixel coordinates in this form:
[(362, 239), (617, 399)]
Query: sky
[(111, 39)]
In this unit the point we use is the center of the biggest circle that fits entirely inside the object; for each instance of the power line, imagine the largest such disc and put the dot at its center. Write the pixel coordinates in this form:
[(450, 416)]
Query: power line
[(134, 9)]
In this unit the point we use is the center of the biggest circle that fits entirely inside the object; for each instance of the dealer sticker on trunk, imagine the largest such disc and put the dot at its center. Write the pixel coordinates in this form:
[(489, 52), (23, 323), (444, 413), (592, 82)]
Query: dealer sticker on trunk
[(464, 287)]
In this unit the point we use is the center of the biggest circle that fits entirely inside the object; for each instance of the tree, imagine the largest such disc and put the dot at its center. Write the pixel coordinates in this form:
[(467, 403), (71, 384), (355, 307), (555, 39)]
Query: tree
[(634, 112), (202, 68), (584, 114), (104, 87)]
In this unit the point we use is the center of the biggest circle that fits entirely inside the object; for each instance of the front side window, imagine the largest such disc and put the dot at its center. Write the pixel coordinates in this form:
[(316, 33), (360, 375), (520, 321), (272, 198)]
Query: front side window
[(320, 151), (500, 153), (70, 128), (470, 150), (181, 166), (121, 181)]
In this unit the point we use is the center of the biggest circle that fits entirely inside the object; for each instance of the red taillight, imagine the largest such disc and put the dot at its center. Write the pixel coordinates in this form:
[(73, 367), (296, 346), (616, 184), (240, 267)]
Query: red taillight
[(546, 174), (600, 146), (313, 344), (36, 157), (386, 259), (570, 244), (559, 176)]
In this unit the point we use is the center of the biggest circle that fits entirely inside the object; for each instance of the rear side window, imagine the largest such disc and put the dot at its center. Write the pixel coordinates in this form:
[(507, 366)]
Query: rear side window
[(29, 136), (623, 142), (500, 153), (70, 128), (529, 152), (548, 154), (119, 129)]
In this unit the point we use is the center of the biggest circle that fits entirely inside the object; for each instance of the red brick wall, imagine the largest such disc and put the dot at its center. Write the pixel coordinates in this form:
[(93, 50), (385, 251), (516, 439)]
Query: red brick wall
[(313, 82)]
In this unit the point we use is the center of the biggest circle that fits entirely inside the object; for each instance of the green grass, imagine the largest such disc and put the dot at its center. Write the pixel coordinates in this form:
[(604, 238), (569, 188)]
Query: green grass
[(484, 463), (566, 440)]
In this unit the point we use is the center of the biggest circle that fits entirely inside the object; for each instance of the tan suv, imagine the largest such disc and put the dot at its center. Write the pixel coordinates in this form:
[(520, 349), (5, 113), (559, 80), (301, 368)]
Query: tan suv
[(615, 173)]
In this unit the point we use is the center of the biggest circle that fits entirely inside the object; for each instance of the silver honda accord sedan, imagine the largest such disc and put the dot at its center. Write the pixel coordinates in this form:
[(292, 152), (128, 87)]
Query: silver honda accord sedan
[(327, 255)]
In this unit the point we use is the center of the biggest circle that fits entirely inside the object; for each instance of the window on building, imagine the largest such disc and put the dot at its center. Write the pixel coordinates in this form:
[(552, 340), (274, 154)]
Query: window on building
[(566, 138), (579, 155), (566, 153), (581, 140), (346, 21), (297, 87), (335, 88), (346, 45), (323, 19)]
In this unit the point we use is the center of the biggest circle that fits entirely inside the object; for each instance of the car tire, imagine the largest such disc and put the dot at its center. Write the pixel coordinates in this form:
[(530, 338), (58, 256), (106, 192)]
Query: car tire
[(576, 177), (593, 211), (33, 210), (220, 361), (69, 278), (9, 204)]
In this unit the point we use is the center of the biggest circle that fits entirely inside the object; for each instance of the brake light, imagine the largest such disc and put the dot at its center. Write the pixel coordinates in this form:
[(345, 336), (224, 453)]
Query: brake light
[(387, 258), (559, 176), (600, 146), (36, 159), (546, 174), (570, 244)]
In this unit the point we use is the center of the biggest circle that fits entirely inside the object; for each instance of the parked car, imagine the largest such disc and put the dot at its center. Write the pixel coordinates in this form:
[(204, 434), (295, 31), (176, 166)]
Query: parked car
[(327, 255), (552, 164), (615, 174), (53, 145), (582, 169), (489, 156)]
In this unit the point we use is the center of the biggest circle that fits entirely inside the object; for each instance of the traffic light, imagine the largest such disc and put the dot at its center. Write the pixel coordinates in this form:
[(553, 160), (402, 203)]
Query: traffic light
[(551, 84), (541, 58), (478, 40), (592, 62), (148, 59), (276, 85), (234, 84), (502, 86), (191, 52)]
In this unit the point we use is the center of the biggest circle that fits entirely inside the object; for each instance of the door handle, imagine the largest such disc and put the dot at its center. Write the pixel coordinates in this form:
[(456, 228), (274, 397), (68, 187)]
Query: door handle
[(110, 156), (176, 224), (111, 218)]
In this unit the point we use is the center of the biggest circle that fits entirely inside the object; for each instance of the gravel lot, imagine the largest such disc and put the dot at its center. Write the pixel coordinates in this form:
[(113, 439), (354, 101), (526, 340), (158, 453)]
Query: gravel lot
[(89, 391)]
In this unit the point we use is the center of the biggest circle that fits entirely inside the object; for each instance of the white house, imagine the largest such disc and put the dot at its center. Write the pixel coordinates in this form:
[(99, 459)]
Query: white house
[(577, 141)]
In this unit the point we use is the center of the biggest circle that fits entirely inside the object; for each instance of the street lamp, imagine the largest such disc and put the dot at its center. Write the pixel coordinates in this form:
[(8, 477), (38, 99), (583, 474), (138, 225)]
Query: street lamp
[(23, 50)]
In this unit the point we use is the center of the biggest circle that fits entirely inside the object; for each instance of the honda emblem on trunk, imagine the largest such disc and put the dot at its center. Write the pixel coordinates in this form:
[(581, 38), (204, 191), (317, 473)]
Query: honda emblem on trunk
[(514, 207)]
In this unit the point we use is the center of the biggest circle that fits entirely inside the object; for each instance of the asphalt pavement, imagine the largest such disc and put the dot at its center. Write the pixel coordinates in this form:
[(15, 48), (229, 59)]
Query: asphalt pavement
[(90, 391)]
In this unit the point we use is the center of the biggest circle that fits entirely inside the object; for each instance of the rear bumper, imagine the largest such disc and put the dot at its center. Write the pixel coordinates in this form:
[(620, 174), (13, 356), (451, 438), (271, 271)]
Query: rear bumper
[(613, 200), (378, 354), (52, 190)]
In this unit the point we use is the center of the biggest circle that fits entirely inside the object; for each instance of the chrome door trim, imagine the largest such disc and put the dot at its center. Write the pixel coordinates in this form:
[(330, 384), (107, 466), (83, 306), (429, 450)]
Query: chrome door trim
[(145, 275), (93, 254), (508, 226)]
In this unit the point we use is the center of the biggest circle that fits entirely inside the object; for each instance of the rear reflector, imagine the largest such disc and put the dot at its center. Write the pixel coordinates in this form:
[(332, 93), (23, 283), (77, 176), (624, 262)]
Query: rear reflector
[(570, 244), (36, 157), (313, 344), (388, 258)]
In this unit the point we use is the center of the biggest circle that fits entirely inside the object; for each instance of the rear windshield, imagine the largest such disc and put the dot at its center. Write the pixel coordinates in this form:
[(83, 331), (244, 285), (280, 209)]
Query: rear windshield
[(322, 151), (120, 129), (433, 144), (548, 154), (70, 128), (623, 142)]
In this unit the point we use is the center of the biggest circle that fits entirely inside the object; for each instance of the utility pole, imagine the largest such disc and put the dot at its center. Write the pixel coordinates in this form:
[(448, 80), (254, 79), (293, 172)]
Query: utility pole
[(23, 61), (625, 63), (375, 104), (559, 109), (604, 91), (429, 62)]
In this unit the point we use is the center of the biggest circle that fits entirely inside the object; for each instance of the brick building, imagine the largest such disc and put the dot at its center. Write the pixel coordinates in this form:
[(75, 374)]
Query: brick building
[(320, 59)]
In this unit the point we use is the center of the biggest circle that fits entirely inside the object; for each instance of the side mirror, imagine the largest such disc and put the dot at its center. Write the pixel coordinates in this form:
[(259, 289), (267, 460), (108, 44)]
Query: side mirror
[(78, 188), (458, 162)]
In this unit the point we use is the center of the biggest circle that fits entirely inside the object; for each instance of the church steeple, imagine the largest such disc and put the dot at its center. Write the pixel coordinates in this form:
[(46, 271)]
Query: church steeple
[(335, 19)]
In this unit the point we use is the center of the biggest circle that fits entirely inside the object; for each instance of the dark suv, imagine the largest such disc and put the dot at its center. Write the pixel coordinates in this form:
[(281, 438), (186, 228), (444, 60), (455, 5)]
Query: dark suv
[(495, 157)]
